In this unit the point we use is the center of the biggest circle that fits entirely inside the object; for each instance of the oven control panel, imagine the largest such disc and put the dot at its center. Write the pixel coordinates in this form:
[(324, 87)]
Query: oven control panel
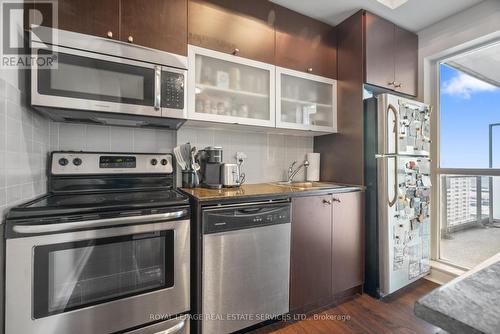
[(86, 163)]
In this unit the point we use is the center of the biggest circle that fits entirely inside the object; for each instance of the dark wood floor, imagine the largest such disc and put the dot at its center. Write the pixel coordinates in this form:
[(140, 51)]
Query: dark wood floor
[(366, 315)]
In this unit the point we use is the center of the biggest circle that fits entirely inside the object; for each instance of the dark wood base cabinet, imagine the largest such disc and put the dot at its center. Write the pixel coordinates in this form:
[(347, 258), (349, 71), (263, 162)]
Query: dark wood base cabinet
[(327, 250), (347, 241), (311, 251)]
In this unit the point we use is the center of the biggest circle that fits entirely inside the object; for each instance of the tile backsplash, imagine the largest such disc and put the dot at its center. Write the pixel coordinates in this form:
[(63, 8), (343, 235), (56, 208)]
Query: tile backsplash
[(83, 137), (26, 138), (268, 155), (24, 144)]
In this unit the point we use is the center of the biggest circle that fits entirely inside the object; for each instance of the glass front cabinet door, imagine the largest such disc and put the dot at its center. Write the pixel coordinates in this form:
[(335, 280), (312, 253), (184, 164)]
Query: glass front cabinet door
[(305, 101), (230, 89)]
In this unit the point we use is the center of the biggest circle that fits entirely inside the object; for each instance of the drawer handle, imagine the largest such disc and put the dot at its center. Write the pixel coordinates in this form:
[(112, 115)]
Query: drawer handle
[(325, 201), (336, 200), (130, 39), (173, 329), (236, 51), (109, 34)]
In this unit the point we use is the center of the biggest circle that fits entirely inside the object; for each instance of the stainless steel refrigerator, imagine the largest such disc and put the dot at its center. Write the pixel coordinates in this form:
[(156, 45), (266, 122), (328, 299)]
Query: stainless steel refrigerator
[(397, 176)]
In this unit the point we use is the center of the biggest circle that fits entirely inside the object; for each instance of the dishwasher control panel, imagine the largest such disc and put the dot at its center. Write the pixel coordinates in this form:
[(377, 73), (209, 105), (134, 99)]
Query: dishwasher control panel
[(237, 217)]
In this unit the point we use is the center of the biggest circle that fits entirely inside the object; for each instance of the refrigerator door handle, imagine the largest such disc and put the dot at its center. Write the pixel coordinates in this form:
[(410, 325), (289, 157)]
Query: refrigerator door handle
[(395, 197), (390, 108)]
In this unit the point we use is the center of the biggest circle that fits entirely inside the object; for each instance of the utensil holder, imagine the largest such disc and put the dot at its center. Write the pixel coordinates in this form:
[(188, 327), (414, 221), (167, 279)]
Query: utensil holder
[(189, 179)]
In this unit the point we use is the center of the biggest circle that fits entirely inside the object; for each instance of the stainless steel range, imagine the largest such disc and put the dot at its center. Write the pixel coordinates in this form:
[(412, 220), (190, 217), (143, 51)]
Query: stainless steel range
[(107, 250)]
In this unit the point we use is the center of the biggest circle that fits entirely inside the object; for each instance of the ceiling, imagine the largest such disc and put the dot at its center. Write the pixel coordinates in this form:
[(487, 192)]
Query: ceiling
[(483, 64), (413, 15)]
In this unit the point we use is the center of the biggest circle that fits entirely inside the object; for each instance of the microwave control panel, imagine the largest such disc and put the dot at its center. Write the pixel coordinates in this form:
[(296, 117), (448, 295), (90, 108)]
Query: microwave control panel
[(172, 94)]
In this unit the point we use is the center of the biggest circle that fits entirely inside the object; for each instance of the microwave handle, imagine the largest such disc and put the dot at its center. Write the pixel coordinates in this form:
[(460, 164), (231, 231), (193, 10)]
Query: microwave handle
[(157, 102)]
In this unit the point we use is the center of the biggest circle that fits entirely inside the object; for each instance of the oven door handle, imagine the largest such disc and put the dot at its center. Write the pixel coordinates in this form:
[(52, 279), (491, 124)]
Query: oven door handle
[(173, 329), (63, 227)]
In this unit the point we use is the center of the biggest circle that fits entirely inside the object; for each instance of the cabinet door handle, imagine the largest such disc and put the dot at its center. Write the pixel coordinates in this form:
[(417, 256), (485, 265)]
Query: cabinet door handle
[(109, 34), (392, 83), (310, 69), (397, 84), (335, 199), (130, 39), (236, 51), (325, 201)]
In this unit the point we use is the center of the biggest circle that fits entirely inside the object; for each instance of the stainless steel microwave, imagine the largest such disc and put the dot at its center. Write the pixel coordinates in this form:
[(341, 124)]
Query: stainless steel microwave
[(98, 80)]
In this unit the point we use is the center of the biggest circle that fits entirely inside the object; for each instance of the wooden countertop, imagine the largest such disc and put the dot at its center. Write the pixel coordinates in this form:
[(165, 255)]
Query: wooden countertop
[(271, 189)]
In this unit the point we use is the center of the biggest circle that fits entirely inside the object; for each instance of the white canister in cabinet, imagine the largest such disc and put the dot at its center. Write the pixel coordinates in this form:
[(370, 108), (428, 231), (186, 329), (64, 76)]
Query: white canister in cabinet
[(313, 169)]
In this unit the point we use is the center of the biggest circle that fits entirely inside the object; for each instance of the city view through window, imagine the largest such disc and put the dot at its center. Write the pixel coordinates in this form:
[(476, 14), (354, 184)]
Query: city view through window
[(469, 139)]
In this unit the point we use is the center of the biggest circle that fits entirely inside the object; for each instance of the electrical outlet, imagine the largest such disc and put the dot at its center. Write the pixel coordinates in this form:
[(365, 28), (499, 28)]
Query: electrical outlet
[(240, 157)]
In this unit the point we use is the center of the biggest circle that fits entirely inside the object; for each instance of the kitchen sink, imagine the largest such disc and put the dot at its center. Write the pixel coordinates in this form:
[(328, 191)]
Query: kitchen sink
[(308, 185)]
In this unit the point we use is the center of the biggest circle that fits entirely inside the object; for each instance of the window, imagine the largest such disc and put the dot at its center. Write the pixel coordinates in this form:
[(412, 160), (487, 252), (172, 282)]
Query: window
[(469, 157)]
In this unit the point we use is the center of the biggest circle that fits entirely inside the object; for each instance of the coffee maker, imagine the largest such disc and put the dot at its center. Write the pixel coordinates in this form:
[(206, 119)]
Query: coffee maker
[(210, 161)]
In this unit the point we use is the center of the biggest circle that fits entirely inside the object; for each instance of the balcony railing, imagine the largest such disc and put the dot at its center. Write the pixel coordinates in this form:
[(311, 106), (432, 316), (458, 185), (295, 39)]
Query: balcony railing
[(468, 201)]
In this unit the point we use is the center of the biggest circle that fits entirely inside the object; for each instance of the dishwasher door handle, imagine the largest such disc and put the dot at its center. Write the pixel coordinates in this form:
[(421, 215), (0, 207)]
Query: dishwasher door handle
[(253, 210)]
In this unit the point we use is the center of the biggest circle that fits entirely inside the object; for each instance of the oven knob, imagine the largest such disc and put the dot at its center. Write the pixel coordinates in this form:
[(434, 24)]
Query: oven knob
[(63, 161), (77, 161), (164, 162), (154, 162)]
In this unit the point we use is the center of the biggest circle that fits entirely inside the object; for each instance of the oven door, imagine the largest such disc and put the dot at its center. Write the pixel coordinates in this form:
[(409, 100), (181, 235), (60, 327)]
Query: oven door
[(95, 82), (97, 281)]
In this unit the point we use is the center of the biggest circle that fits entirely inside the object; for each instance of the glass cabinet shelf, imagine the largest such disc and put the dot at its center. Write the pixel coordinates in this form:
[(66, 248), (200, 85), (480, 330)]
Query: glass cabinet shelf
[(200, 88), (230, 89), (305, 101)]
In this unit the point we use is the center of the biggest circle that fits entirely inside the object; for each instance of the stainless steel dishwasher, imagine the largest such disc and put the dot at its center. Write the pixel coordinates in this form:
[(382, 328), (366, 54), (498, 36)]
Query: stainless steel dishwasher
[(246, 265)]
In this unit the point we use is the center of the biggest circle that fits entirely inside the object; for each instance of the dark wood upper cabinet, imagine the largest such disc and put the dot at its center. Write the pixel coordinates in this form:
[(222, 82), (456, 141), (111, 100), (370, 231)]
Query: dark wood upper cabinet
[(379, 51), (391, 55), (406, 61), (158, 24), (91, 17), (244, 28), (305, 44), (348, 241), (311, 251)]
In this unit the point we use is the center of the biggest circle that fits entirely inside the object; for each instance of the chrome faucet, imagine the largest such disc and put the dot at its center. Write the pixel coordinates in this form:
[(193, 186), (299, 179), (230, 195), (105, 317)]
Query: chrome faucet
[(292, 173)]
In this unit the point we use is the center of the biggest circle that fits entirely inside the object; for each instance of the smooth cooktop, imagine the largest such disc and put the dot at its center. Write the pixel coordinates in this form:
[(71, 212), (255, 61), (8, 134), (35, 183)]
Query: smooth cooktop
[(54, 204)]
